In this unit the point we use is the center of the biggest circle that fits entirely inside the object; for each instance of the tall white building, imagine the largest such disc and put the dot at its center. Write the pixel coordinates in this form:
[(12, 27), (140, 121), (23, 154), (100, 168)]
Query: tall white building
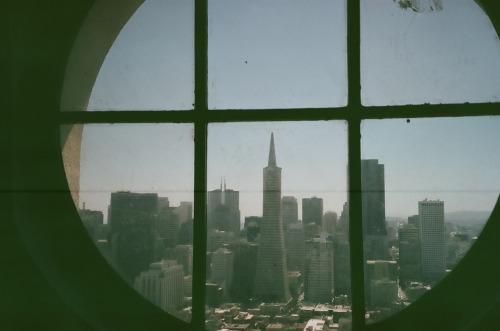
[(318, 273), (222, 267), (432, 243), (271, 279), (162, 284)]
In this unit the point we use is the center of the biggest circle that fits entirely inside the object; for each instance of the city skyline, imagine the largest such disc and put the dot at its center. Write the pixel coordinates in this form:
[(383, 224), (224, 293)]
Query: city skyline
[(426, 158), (141, 238), (130, 78)]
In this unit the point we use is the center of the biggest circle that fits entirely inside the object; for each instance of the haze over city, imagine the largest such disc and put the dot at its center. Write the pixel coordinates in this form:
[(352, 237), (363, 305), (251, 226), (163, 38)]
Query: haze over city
[(450, 159)]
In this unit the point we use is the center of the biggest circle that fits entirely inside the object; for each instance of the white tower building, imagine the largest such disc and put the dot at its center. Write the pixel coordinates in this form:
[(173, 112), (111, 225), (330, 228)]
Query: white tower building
[(162, 284), (432, 243)]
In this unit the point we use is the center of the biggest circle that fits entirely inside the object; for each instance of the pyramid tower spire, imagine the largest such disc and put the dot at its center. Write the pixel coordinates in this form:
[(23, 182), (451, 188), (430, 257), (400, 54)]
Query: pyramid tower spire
[(272, 153)]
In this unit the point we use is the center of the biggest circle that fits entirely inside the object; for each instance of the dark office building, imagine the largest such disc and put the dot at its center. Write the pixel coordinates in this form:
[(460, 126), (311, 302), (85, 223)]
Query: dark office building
[(223, 210), (92, 220), (244, 268), (252, 227), (167, 224), (289, 211), (132, 219), (312, 211), (409, 254), (375, 239)]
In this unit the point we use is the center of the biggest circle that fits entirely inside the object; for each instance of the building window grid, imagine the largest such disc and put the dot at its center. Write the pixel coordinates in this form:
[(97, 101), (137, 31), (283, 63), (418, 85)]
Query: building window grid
[(201, 116)]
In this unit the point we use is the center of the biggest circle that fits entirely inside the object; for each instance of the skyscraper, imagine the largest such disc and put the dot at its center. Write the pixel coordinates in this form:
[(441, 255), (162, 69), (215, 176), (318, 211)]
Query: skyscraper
[(431, 216), (330, 222), (244, 267), (183, 254), (271, 281), (409, 254), (342, 268), (162, 284), (223, 210), (289, 211), (295, 247), (375, 240), (167, 223), (222, 268), (312, 211), (132, 217)]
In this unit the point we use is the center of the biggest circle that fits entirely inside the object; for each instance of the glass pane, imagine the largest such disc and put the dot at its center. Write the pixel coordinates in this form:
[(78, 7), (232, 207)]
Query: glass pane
[(278, 249), (276, 54), (427, 51), (429, 186), (135, 199), (151, 63)]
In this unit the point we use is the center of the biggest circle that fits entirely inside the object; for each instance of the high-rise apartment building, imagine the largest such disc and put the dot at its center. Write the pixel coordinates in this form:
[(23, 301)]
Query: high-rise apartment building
[(381, 288), (312, 211), (295, 247), (244, 268), (167, 223), (162, 284), (409, 254), (318, 271), (413, 220), (222, 268), (375, 240), (289, 211), (342, 231), (223, 210), (432, 241), (271, 281), (183, 254), (184, 211), (342, 267), (330, 222), (217, 239)]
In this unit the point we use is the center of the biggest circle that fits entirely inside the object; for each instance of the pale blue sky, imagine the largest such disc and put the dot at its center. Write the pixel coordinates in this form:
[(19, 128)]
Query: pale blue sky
[(456, 160), (155, 158), (442, 56), (312, 155), (277, 54), (151, 63), (295, 58)]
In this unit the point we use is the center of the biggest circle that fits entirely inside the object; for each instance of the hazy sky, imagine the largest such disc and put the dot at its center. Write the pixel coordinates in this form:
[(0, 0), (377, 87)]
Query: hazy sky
[(155, 158), (292, 54), (312, 155), (441, 56), (151, 63), (456, 160), (277, 54)]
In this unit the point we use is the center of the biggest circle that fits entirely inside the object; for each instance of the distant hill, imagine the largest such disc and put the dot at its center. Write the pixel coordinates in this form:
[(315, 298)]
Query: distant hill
[(467, 217)]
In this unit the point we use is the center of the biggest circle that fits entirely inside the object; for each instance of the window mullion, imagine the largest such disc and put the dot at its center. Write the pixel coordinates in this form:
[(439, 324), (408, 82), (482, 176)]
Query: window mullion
[(354, 117), (355, 224), (200, 160)]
